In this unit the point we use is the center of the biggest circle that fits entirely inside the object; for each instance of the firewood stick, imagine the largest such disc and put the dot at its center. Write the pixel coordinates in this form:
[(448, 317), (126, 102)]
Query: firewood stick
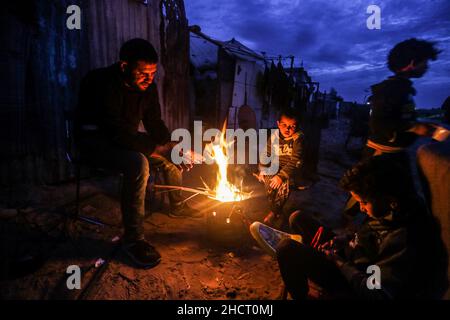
[(159, 186), (193, 190)]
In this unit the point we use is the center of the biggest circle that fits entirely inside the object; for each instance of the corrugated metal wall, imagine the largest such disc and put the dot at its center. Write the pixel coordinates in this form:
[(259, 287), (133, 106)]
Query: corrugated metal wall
[(42, 63)]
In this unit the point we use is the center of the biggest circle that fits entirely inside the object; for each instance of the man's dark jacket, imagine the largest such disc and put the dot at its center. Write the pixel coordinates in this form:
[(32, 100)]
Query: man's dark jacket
[(116, 110), (407, 247)]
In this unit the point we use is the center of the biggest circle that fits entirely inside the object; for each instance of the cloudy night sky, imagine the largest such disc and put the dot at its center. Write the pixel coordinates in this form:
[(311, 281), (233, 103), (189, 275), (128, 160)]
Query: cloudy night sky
[(332, 39)]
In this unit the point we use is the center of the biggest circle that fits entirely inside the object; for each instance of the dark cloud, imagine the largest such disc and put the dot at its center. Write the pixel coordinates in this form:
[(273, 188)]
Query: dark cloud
[(332, 39), (306, 38), (336, 55)]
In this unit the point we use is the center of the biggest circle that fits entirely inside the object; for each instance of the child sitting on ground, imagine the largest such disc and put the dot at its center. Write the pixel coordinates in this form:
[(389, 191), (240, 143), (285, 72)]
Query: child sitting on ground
[(281, 187)]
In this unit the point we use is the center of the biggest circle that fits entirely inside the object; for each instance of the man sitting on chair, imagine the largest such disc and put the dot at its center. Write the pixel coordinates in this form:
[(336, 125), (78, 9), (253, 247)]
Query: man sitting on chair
[(112, 103)]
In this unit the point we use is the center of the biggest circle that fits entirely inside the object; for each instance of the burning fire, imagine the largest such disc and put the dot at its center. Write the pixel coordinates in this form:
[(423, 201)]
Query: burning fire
[(224, 190)]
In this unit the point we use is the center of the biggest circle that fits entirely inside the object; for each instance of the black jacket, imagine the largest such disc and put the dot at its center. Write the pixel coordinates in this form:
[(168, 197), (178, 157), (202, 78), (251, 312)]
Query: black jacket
[(116, 110), (408, 249), (392, 113)]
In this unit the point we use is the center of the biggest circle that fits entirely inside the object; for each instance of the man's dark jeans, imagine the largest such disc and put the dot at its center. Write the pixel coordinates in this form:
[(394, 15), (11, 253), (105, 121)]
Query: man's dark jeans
[(300, 262), (98, 152), (172, 177)]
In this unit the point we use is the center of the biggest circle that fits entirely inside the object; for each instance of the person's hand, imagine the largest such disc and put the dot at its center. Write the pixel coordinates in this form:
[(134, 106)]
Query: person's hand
[(189, 158), (335, 244), (338, 242), (275, 182), (423, 129), (259, 176), (192, 157), (326, 247), (184, 166), (330, 250)]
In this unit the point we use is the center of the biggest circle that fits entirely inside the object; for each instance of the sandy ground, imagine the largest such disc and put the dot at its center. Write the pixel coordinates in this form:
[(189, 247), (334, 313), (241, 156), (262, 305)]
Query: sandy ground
[(197, 262)]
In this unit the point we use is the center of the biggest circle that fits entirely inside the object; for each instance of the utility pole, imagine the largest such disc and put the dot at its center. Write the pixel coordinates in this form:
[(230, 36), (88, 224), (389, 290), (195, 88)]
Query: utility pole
[(292, 64)]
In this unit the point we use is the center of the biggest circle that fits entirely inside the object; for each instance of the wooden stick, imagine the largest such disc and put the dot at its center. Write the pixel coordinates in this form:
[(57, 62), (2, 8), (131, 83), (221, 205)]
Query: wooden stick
[(193, 190), (159, 186)]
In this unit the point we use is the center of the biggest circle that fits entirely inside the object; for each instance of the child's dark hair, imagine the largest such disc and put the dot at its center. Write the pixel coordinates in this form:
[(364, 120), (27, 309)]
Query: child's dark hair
[(379, 177), (288, 113), (412, 49), (138, 49)]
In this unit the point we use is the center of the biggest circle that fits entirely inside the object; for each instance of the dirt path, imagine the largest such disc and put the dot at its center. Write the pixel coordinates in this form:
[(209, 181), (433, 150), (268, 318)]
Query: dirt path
[(194, 265)]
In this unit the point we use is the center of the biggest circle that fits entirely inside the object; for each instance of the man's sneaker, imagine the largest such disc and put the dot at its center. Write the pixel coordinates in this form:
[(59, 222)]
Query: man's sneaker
[(184, 211), (142, 253), (268, 238)]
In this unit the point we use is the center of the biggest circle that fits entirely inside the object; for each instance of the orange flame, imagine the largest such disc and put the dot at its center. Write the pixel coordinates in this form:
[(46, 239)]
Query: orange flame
[(224, 190)]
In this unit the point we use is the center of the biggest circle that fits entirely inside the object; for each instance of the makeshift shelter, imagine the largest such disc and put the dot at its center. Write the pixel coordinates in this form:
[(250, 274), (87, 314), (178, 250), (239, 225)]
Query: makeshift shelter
[(43, 62), (224, 74)]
